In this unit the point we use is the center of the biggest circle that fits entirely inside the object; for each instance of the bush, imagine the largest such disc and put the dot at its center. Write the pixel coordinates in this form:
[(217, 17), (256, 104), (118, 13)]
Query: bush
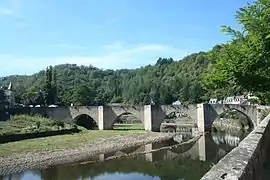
[(28, 124), (38, 124), (59, 124)]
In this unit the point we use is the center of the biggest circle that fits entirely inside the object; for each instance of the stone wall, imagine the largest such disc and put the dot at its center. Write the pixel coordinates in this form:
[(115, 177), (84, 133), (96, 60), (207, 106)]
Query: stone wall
[(245, 162), (201, 114), (19, 137)]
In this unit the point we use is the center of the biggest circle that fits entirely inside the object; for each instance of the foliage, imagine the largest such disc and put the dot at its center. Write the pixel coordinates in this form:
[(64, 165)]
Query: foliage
[(50, 88), (244, 62), (3, 100), (162, 83), (27, 124)]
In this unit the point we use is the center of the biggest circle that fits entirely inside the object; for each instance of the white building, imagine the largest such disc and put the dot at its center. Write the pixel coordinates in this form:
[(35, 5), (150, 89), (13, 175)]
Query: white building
[(233, 100), (213, 101)]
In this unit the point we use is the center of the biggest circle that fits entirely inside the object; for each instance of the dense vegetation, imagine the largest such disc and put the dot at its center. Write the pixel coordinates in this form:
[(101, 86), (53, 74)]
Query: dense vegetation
[(163, 83), (28, 124), (244, 62), (2, 98), (239, 66)]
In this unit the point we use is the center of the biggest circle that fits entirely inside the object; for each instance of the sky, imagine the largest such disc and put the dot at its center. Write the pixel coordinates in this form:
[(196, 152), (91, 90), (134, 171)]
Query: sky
[(108, 34)]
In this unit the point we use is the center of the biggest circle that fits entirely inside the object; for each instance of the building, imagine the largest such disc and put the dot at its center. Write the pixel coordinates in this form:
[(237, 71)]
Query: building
[(243, 99), (10, 96)]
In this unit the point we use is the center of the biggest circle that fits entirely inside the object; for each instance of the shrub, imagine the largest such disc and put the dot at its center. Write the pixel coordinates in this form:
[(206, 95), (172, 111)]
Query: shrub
[(28, 124), (38, 124), (59, 124)]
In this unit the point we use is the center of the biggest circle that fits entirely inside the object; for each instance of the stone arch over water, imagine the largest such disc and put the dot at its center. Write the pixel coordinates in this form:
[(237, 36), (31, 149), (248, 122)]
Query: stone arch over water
[(212, 112), (244, 118)]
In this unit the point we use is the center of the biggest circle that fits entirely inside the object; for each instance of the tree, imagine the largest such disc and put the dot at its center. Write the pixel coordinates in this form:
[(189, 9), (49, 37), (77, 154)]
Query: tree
[(3, 100), (163, 83), (245, 60), (84, 95), (32, 97), (54, 86), (50, 88)]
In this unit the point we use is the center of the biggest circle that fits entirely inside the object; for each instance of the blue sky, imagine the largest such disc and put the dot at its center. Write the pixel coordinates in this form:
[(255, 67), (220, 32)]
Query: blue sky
[(109, 34)]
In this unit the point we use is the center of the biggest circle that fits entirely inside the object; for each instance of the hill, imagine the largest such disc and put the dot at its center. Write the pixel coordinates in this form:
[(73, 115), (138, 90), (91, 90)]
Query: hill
[(163, 83)]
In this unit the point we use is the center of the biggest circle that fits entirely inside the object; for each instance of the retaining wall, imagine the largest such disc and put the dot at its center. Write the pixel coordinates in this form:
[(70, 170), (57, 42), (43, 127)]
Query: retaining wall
[(245, 162), (19, 137)]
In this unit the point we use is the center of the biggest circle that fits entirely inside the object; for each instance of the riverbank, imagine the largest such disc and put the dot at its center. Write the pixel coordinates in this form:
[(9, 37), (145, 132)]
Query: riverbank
[(64, 149)]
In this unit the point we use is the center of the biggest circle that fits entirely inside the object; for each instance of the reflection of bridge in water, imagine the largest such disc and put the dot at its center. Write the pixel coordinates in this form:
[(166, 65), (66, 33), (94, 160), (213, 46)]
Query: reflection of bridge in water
[(207, 147), (178, 161), (227, 139)]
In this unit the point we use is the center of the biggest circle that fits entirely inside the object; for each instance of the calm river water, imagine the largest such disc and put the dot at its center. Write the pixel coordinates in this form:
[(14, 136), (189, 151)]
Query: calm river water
[(189, 162)]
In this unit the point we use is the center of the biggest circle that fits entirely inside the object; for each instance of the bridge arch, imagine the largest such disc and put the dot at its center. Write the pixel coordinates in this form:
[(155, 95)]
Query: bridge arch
[(111, 114), (251, 124), (127, 121), (216, 111), (86, 121)]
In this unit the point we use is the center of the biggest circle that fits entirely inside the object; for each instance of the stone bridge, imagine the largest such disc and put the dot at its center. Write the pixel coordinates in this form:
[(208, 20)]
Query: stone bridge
[(201, 115)]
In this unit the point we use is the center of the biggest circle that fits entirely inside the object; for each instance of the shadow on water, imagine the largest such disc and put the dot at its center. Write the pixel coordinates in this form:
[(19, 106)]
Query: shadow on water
[(187, 162)]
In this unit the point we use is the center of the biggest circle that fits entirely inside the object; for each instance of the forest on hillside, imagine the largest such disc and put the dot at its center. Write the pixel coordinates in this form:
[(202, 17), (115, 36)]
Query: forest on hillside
[(161, 83), (232, 68)]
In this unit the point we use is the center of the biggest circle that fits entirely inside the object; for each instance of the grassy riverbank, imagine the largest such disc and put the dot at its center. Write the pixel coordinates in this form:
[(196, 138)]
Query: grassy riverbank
[(21, 124), (54, 143)]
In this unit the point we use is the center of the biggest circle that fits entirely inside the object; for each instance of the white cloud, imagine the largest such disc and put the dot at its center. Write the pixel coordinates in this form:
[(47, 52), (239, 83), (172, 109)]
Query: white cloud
[(118, 57), (6, 11), (13, 7)]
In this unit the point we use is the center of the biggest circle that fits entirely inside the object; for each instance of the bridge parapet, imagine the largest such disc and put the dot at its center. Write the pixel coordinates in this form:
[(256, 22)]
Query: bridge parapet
[(245, 162)]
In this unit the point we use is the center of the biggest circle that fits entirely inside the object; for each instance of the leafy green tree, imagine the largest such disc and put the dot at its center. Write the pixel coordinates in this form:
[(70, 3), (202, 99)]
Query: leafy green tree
[(162, 83), (84, 95), (3, 100), (245, 60), (50, 88)]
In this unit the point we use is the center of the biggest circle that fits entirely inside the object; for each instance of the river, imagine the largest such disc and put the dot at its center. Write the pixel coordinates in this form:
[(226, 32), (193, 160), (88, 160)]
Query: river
[(188, 162)]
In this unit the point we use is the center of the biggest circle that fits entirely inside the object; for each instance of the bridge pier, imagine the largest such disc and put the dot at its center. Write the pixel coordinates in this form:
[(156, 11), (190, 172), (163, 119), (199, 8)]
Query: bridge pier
[(100, 118), (106, 118), (200, 118), (148, 118), (153, 117)]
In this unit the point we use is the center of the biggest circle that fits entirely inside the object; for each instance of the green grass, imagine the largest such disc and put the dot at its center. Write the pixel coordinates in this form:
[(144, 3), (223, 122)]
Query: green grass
[(58, 142), (28, 124)]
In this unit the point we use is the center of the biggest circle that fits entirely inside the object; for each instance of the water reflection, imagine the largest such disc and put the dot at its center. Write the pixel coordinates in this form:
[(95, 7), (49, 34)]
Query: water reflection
[(187, 162)]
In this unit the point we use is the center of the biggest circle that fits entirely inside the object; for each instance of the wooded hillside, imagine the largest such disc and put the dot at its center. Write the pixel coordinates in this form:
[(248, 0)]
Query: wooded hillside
[(163, 83)]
